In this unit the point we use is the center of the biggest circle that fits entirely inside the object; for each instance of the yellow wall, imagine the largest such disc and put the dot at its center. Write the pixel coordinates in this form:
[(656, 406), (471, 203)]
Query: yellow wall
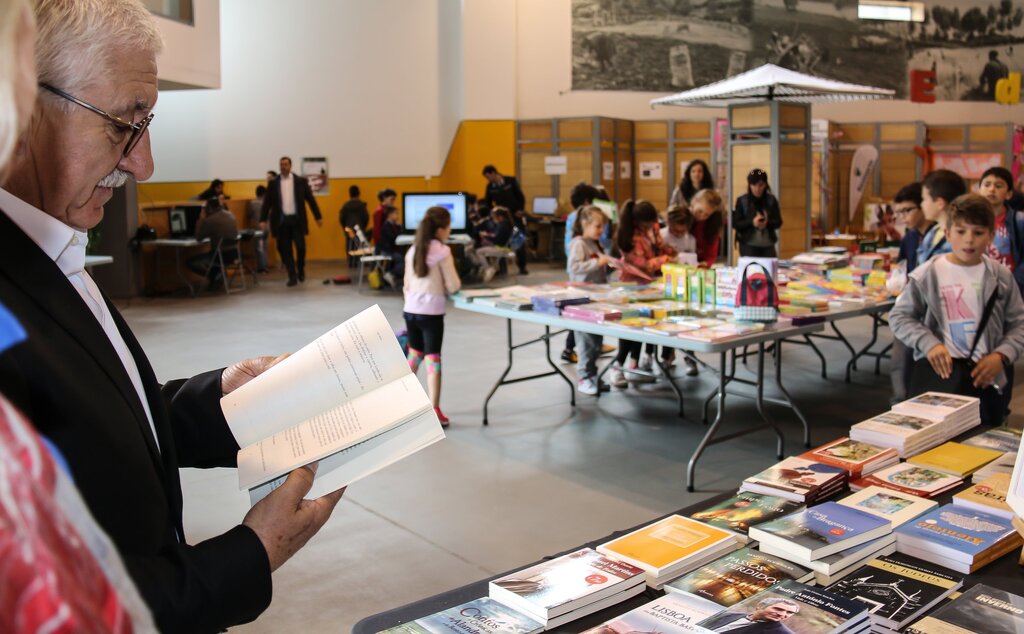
[(476, 144)]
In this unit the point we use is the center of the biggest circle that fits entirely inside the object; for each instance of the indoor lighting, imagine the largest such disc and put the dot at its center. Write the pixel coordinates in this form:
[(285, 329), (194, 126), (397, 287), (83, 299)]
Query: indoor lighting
[(889, 10)]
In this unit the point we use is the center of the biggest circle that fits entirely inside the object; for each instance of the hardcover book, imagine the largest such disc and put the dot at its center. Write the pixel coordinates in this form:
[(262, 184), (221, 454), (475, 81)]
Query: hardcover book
[(792, 607), (955, 458), (561, 585), (821, 530), (744, 510), (897, 589), (483, 615), (737, 576), (895, 506), (978, 609), (910, 478), (670, 614)]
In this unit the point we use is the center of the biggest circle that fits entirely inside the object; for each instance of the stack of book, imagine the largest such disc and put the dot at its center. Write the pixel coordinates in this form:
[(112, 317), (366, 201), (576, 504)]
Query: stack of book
[(819, 531), (1002, 439), (670, 614), (509, 302), (745, 509), (792, 607), (920, 423), (978, 609), (483, 615), (955, 459), (553, 302), (896, 506), (670, 547), (957, 537), (738, 576), (635, 322), (897, 589), (669, 329), (569, 587), (989, 495), (855, 457), (799, 480), (910, 478), (596, 312), (1002, 464)]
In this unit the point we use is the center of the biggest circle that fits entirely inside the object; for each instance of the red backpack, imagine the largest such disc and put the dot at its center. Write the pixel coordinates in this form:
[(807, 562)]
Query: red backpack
[(757, 298)]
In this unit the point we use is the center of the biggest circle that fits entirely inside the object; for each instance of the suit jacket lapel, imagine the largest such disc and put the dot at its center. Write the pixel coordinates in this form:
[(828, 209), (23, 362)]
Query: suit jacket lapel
[(25, 264)]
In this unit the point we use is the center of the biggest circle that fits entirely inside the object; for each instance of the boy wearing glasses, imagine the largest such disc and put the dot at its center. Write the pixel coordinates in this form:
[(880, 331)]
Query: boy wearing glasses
[(907, 205)]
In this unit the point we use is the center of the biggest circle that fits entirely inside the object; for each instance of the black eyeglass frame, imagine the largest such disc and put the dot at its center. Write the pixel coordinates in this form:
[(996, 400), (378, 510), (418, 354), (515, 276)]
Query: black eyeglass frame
[(137, 129)]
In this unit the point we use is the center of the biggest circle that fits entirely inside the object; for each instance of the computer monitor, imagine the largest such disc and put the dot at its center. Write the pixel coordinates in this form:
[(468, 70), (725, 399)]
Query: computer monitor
[(415, 206), (182, 219), (610, 209), (545, 205)]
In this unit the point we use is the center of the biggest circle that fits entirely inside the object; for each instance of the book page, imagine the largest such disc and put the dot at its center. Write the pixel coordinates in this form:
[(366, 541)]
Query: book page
[(332, 430), (355, 463), (354, 358)]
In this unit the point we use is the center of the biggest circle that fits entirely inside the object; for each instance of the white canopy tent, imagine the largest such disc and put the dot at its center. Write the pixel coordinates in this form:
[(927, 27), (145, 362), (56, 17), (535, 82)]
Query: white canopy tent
[(772, 83)]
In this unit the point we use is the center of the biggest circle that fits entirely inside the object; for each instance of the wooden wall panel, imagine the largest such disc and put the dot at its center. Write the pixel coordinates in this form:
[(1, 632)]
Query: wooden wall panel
[(750, 117), (580, 168), (575, 129), (988, 134), (744, 159), (893, 132), (653, 190), (625, 190), (857, 133), (609, 184), (535, 130), (607, 129), (792, 116), (898, 168), (693, 130), (946, 134), (650, 131), (532, 178), (623, 130)]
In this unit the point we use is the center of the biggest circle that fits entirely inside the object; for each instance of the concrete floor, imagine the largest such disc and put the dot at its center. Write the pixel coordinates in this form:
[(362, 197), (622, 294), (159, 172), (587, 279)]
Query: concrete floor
[(541, 478)]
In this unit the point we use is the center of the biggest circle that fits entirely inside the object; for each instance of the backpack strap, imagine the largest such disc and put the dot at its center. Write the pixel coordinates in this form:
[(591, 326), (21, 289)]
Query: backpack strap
[(986, 313)]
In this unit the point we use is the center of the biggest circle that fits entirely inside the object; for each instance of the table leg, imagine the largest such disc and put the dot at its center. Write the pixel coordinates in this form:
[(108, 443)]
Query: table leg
[(181, 275), (671, 382), (789, 400), (852, 365), (817, 351), (508, 368), (709, 434), (547, 355), (759, 401), (878, 358)]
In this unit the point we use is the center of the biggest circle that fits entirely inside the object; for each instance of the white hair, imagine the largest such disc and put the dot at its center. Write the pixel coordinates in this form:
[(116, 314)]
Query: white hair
[(77, 38), (12, 12)]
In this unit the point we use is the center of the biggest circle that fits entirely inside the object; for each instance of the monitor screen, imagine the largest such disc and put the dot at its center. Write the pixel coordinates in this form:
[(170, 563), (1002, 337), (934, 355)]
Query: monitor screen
[(545, 205), (609, 208), (415, 206), (183, 218)]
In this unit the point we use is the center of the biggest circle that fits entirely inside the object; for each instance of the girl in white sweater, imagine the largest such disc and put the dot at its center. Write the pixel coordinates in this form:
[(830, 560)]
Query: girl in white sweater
[(430, 276)]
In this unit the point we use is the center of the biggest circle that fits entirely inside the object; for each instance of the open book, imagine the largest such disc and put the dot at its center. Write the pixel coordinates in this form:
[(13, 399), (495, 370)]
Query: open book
[(347, 400)]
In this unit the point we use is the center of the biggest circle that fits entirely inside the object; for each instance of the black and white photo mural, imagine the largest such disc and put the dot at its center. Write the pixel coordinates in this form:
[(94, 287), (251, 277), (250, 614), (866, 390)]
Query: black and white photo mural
[(674, 45)]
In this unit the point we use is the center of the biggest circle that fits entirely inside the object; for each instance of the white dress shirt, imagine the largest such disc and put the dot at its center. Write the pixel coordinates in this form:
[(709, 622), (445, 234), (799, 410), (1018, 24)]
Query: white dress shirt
[(66, 247), (288, 195)]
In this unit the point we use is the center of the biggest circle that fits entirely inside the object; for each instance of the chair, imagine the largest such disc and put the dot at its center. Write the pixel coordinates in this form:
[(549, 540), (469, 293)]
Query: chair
[(227, 256), (375, 261)]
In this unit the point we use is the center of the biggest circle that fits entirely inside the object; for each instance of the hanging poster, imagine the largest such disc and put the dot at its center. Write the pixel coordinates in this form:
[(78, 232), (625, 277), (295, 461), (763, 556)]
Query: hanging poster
[(556, 165), (970, 165), (608, 170), (314, 169), (625, 169), (650, 170)]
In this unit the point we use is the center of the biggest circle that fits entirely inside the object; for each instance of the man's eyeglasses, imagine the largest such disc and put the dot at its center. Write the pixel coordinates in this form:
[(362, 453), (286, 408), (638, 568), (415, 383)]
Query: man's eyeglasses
[(905, 210), (137, 129)]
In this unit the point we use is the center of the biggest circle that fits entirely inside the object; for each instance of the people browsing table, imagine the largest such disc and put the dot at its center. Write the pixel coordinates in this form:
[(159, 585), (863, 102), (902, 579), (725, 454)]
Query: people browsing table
[(696, 177), (430, 276), (588, 263), (708, 218), (757, 218)]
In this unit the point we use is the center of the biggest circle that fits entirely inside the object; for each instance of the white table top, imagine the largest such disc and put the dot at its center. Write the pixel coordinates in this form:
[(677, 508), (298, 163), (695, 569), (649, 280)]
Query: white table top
[(456, 238)]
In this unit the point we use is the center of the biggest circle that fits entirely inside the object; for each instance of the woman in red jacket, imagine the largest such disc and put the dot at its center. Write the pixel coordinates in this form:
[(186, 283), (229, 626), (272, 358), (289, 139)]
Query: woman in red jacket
[(707, 228)]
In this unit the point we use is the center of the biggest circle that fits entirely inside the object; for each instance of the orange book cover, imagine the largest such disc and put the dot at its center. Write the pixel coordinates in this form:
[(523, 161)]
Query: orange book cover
[(666, 542)]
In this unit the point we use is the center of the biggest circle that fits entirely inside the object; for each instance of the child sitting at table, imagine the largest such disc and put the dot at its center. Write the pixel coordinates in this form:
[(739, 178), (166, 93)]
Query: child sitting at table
[(387, 246), (641, 245), (588, 263)]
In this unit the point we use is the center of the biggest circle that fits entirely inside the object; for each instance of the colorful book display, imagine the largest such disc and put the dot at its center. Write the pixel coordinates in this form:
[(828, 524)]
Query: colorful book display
[(797, 479), (959, 538), (670, 614), (821, 530), (896, 506), (988, 495), (737, 576), (910, 478), (746, 509), (796, 607), (855, 457), (483, 615), (955, 459)]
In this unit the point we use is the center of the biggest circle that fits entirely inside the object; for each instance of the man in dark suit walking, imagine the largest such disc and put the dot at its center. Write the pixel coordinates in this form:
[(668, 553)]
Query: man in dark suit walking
[(285, 206), (766, 618)]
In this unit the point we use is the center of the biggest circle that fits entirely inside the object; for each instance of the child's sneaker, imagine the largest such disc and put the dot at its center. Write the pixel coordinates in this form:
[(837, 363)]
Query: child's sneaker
[(618, 379), (638, 378), (441, 417), (691, 366), (647, 363), (489, 274), (587, 385), (569, 356)]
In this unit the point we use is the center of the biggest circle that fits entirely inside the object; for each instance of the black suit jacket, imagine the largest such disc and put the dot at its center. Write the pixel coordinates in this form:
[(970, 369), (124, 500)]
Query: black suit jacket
[(272, 206), (68, 379), (759, 627)]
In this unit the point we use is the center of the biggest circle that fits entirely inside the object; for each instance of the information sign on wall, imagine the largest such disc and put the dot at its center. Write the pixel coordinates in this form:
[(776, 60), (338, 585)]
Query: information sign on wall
[(625, 169), (608, 170), (315, 170), (650, 170), (555, 165)]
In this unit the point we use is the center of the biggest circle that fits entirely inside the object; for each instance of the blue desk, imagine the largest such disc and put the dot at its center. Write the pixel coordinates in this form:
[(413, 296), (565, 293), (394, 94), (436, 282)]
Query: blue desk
[(726, 376)]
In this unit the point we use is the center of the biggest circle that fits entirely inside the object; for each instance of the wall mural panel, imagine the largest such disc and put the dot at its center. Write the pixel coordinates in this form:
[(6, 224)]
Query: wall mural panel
[(672, 45)]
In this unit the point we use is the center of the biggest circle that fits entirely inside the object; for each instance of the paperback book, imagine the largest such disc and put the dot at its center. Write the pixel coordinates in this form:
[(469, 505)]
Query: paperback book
[(981, 608), (906, 433), (738, 576), (797, 479), (670, 614), (566, 584), (670, 547), (896, 506), (746, 509), (856, 457), (1002, 464), (821, 530), (910, 478), (792, 607), (1004, 439), (955, 458), (959, 538), (832, 564), (482, 616), (897, 589), (988, 495)]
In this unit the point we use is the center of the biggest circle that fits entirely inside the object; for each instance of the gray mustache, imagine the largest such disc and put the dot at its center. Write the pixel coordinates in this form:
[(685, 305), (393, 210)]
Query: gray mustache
[(114, 179)]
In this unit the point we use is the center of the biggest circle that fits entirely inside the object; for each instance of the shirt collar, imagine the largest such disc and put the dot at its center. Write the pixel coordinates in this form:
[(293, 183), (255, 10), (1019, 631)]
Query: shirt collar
[(61, 243)]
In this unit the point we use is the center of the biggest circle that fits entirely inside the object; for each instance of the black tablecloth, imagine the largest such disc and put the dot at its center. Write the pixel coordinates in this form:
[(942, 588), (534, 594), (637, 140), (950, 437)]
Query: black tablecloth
[(1003, 573)]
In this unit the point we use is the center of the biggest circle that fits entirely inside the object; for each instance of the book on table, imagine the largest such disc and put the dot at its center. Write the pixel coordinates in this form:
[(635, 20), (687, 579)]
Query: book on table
[(1004, 439), (635, 322), (906, 433), (856, 457), (821, 530), (910, 478), (958, 538), (897, 589), (949, 407), (797, 479), (796, 606), (568, 587), (1002, 464), (896, 506), (955, 458), (483, 616), (347, 401), (743, 510), (670, 547), (981, 609), (670, 614), (826, 579), (737, 576), (989, 495), (832, 564)]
